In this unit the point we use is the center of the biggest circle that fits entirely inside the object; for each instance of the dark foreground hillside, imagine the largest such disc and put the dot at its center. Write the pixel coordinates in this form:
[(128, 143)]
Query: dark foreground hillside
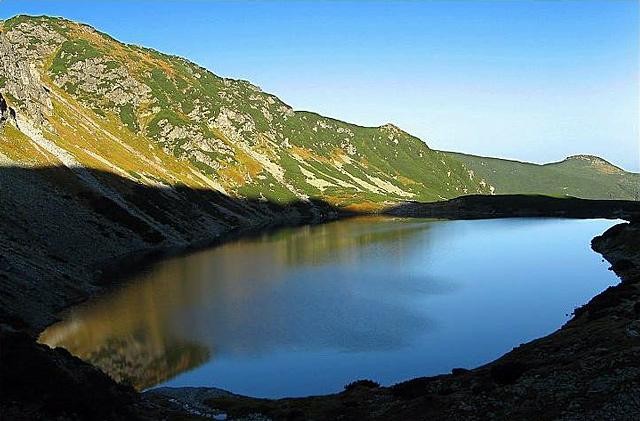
[(62, 242), (69, 233), (65, 233), (517, 205)]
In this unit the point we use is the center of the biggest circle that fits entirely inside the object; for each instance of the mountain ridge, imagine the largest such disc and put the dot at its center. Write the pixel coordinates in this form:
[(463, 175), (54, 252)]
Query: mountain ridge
[(582, 175), (65, 78), (207, 143)]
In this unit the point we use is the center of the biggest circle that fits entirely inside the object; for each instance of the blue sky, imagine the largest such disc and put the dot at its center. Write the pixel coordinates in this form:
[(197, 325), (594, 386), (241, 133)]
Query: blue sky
[(529, 80)]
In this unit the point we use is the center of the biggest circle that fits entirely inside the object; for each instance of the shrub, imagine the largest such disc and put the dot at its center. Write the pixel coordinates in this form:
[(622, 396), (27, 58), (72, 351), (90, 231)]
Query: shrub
[(364, 383)]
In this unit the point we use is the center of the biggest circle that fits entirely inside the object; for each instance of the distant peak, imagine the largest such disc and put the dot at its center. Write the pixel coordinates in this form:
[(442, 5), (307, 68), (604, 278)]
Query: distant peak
[(392, 129), (595, 161), (589, 158), (391, 126)]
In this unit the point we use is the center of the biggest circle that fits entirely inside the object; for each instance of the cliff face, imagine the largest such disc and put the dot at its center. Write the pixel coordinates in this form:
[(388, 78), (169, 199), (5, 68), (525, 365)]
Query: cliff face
[(19, 78)]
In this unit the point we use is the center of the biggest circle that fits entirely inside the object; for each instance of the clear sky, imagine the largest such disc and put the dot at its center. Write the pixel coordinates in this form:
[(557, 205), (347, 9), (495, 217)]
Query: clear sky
[(529, 80)]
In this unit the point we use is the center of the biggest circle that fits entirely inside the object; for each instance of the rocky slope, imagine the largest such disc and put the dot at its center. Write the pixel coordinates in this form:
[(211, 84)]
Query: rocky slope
[(66, 231), (82, 98)]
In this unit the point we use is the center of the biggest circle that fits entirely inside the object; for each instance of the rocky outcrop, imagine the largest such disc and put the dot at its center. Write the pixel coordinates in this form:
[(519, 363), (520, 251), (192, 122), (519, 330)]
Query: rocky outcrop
[(621, 247), (20, 81)]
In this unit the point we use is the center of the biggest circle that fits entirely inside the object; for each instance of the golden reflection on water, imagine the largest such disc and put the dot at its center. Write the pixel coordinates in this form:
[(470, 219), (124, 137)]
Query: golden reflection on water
[(178, 314)]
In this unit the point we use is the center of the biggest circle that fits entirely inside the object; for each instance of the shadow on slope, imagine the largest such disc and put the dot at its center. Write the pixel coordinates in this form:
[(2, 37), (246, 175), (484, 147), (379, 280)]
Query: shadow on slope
[(64, 234), (60, 227), (67, 232)]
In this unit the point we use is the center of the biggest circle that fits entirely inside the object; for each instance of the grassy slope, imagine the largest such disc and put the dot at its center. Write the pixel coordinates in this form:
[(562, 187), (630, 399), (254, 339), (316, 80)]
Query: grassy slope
[(157, 118), (249, 142), (580, 176)]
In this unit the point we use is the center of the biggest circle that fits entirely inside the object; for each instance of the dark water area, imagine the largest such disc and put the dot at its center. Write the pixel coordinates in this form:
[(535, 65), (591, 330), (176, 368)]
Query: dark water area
[(307, 310)]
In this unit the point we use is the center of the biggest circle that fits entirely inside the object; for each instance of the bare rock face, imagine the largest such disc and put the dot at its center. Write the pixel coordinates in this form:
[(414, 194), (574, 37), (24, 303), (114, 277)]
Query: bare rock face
[(21, 82), (105, 79), (35, 39)]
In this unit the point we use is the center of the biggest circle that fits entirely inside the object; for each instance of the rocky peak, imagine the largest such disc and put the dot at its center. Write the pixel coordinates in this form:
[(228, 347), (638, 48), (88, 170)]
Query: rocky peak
[(594, 161), (392, 128), (584, 157)]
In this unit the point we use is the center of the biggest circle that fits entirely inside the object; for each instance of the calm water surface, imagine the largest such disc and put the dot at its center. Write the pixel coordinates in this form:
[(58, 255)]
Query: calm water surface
[(304, 311)]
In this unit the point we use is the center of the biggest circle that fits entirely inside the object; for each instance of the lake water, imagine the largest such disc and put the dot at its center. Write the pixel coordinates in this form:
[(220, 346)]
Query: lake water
[(307, 310)]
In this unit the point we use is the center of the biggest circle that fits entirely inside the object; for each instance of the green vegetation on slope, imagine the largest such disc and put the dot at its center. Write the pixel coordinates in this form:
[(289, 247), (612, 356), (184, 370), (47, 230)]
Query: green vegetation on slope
[(583, 176), (248, 141), (108, 96)]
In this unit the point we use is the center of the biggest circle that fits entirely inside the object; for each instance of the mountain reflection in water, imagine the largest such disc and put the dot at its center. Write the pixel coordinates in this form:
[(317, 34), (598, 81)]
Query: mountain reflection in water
[(344, 296), (228, 300)]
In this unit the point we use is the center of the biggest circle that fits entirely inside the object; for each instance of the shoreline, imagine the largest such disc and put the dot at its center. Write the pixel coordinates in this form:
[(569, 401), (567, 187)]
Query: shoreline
[(113, 271), (505, 371), (121, 267)]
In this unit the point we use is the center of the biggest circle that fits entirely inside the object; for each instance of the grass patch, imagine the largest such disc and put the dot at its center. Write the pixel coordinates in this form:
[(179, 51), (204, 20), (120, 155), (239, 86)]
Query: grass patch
[(128, 117), (71, 52)]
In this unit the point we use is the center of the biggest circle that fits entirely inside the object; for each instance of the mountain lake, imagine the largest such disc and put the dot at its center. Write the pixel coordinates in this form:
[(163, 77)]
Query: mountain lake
[(304, 311)]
